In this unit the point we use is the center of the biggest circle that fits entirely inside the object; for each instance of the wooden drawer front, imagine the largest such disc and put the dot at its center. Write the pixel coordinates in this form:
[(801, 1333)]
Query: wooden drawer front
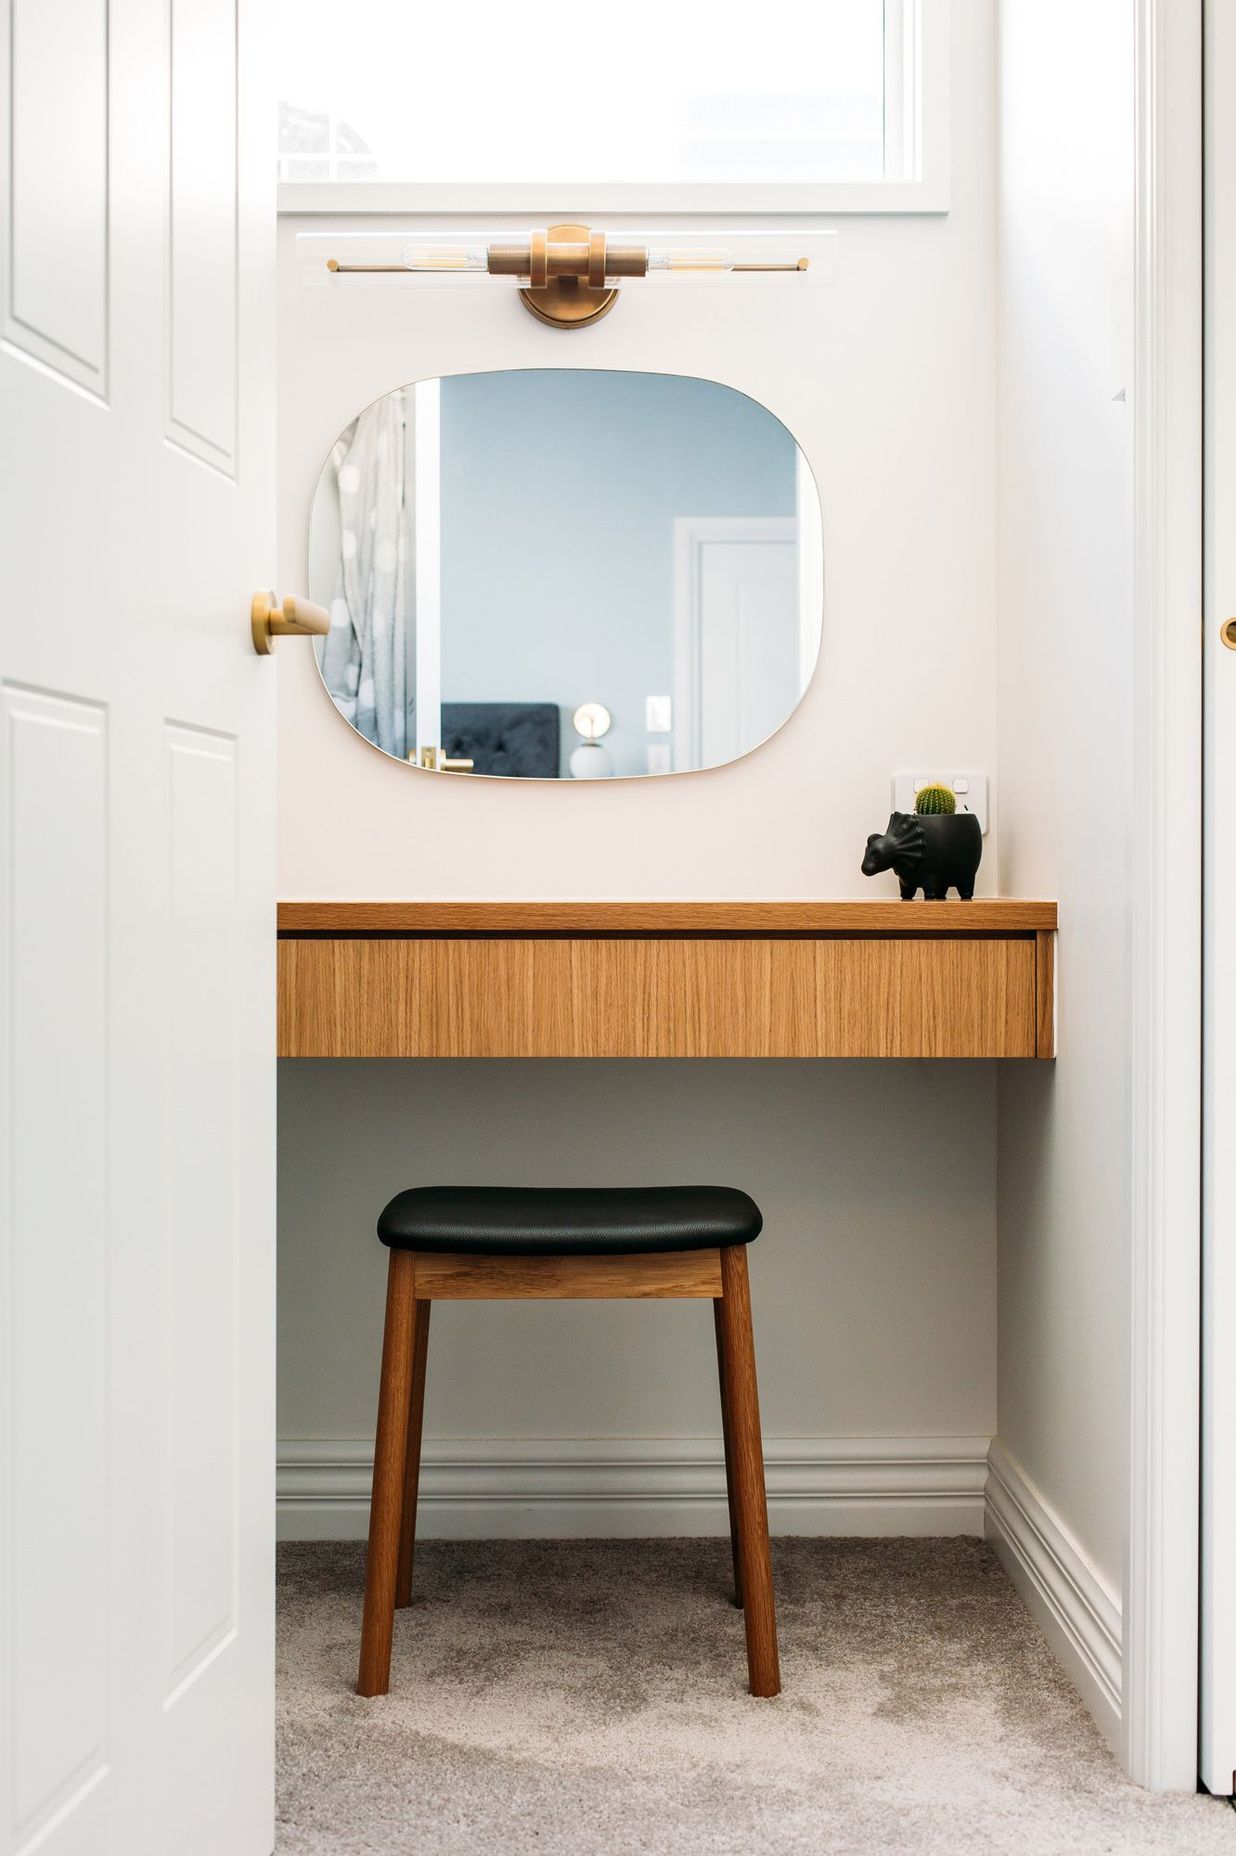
[(598, 997)]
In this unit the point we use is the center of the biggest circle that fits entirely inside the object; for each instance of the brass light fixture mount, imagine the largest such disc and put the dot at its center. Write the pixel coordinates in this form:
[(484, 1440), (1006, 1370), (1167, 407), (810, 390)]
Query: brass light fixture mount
[(566, 273), (569, 265)]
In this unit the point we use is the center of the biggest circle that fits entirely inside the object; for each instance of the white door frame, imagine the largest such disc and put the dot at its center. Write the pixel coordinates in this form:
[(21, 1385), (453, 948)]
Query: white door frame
[(1160, 1603), (1217, 1736), (426, 396), (1160, 1587)]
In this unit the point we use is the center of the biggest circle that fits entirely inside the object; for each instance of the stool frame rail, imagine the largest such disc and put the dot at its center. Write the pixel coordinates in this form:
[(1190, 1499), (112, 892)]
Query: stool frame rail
[(417, 1279)]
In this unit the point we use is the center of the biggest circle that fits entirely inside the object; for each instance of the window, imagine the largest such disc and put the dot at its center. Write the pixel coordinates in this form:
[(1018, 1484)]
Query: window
[(671, 105)]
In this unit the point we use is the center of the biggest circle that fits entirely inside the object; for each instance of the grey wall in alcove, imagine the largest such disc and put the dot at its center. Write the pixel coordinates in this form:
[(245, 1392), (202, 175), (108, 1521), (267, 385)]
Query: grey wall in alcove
[(874, 1282), (559, 493)]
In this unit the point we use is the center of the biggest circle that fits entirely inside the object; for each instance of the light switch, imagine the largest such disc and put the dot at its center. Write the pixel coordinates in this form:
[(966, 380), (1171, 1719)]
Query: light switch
[(658, 714), (969, 786)]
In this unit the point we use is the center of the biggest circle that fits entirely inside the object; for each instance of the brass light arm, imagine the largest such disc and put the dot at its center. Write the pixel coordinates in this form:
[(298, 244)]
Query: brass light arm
[(566, 271)]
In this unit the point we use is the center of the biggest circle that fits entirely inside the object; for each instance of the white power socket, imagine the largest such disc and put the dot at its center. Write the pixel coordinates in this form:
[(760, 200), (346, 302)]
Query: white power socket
[(969, 788)]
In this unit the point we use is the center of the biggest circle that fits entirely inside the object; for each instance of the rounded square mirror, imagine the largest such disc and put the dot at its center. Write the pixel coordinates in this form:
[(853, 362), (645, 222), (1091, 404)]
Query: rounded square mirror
[(566, 573)]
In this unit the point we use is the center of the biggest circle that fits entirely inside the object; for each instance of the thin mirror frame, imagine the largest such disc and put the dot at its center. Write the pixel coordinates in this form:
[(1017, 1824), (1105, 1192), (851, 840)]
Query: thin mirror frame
[(518, 780)]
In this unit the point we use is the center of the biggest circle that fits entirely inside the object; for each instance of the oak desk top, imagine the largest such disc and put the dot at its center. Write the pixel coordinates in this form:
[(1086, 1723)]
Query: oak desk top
[(1001, 915), (667, 979)]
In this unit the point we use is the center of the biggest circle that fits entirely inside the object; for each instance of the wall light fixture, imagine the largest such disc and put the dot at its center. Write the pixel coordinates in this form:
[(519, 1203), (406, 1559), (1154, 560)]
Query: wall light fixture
[(568, 274)]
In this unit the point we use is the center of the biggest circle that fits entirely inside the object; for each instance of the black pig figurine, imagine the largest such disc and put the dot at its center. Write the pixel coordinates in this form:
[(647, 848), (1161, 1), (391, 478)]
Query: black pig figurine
[(932, 852)]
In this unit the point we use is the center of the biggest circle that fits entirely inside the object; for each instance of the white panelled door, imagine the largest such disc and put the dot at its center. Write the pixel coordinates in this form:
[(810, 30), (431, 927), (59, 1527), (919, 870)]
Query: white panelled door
[(738, 622), (136, 869), (1218, 1637)]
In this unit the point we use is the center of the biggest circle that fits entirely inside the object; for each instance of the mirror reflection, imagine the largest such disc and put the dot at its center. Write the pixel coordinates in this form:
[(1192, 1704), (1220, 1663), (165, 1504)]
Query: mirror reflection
[(566, 573)]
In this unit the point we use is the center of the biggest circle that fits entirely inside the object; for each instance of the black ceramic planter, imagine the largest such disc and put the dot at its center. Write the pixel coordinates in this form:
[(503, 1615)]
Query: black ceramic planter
[(934, 852)]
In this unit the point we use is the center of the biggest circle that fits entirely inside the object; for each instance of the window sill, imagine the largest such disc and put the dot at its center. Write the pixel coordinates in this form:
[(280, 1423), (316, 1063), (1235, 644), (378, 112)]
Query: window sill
[(536, 202)]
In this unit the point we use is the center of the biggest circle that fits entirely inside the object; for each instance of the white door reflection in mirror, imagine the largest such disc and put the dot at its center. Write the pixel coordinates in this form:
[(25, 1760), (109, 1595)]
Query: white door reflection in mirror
[(425, 690), (498, 549)]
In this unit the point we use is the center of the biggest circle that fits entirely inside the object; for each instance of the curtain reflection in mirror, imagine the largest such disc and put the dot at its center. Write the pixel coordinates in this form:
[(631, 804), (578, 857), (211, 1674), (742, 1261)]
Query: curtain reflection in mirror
[(364, 656)]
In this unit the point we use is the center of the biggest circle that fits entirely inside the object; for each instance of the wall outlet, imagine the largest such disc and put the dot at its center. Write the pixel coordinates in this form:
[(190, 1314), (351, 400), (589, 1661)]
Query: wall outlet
[(969, 789), (659, 758)]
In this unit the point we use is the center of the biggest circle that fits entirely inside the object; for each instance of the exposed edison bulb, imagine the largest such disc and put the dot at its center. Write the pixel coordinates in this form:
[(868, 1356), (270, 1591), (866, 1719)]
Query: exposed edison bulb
[(430, 255), (687, 258)]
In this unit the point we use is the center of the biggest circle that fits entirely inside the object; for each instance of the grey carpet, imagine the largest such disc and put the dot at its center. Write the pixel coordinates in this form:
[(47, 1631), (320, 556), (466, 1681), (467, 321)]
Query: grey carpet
[(576, 1698)]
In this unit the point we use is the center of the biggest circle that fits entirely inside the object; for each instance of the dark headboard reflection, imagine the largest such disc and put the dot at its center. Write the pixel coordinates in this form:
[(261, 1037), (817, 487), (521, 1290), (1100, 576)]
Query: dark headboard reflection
[(517, 739)]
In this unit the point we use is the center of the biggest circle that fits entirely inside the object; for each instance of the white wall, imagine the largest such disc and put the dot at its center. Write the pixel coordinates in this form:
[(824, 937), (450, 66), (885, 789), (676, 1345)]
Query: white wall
[(1064, 253), (875, 1284), (888, 382)]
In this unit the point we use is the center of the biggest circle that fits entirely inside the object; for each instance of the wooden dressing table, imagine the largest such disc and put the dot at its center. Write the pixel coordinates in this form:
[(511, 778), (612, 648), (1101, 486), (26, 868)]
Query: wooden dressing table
[(667, 979)]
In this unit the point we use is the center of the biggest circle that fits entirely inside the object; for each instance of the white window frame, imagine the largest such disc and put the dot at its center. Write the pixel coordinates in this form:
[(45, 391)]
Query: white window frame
[(917, 46)]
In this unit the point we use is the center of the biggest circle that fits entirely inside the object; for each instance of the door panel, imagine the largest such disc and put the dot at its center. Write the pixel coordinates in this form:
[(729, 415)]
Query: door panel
[(748, 644), (200, 1231), (55, 895), (737, 620), (137, 913), (57, 192), (203, 207)]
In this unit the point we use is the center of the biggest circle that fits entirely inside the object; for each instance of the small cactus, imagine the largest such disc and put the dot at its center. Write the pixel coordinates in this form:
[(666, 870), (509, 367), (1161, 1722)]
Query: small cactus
[(934, 799)]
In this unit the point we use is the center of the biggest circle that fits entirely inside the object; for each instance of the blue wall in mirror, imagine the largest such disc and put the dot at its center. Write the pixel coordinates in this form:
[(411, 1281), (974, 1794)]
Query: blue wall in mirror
[(560, 488)]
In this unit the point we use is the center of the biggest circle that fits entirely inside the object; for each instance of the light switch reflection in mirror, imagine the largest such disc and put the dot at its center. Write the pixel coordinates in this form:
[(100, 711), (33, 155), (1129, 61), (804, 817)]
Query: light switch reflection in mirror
[(496, 549)]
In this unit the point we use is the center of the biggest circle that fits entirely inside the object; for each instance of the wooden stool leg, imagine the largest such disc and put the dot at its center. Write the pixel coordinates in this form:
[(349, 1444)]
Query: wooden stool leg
[(750, 1501), (728, 1436), (390, 1448), (412, 1459)]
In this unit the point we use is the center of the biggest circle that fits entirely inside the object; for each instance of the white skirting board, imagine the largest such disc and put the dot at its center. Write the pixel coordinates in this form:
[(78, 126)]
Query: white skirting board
[(1076, 1610), (630, 1487)]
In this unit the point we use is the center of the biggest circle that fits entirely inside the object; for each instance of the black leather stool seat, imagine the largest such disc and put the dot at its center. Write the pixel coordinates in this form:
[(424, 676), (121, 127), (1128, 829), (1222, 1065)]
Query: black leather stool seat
[(561, 1221)]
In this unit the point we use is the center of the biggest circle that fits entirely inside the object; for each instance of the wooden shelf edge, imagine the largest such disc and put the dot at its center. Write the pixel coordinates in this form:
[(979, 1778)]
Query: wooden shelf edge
[(991, 915)]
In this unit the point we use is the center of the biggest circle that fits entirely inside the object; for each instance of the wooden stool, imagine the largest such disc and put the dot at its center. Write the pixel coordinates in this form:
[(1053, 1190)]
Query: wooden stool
[(496, 1243)]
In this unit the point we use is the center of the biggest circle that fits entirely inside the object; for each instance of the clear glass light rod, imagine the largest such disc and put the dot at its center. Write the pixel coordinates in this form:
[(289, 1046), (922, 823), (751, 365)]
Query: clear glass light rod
[(622, 261)]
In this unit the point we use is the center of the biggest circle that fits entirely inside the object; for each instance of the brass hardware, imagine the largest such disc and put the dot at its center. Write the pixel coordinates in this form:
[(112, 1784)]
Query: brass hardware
[(538, 260), (565, 261), (435, 761), (567, 267), (293, 618), (1227, 631)]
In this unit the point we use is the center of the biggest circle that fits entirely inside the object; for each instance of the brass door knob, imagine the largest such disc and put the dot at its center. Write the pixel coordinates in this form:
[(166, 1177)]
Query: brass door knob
[(1227, 631), (271, 618)]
